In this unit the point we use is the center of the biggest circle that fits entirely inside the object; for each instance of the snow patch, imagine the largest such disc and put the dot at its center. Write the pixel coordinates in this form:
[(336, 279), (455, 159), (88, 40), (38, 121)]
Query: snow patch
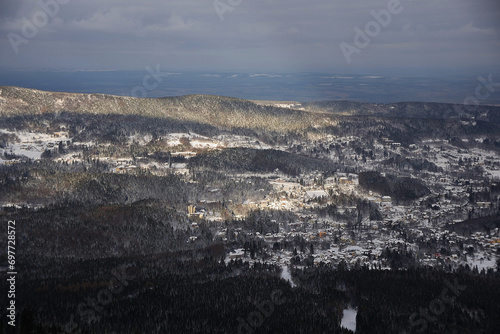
[(285, 274), (349, 319)]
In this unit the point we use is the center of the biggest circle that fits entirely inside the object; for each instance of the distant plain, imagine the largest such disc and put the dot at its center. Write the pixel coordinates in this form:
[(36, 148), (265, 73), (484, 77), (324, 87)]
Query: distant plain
[(302, 87)]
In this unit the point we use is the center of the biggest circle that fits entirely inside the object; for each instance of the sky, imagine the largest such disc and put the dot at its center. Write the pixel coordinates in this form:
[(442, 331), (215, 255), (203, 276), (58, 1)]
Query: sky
[(362, 36)]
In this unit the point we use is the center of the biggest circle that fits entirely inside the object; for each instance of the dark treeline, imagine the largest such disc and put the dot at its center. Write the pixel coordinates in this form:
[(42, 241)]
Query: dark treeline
[(416, 110), (87, 232), (400, 188), (193, 292), (46, 182), (246, 159), (398, 301)]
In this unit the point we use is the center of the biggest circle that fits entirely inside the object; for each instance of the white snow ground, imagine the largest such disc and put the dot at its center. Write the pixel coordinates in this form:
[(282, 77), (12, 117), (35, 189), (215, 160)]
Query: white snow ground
[(349, 319)]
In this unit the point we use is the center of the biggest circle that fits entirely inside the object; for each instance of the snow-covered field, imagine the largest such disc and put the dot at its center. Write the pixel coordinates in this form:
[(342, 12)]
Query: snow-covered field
[(196, 140), (481, 261), (33, 144), (451, 155)]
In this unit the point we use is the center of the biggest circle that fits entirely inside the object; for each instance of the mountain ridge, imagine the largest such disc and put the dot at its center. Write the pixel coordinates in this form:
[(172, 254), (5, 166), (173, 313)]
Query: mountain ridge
[(224, 112), (230, 112)]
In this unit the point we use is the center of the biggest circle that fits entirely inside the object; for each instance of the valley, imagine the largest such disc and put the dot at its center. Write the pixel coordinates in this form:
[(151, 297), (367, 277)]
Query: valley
[(242, 187)]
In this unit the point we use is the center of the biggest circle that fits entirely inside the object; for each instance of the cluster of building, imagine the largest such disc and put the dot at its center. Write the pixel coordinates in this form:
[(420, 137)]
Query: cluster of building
[(334, 239)]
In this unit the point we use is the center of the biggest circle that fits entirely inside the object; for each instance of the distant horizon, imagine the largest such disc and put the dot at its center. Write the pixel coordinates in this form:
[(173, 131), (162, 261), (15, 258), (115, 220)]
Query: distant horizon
[(455, 88)]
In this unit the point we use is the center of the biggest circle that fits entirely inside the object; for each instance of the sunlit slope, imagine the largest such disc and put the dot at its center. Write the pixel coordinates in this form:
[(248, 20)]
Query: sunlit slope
[(219, 111)]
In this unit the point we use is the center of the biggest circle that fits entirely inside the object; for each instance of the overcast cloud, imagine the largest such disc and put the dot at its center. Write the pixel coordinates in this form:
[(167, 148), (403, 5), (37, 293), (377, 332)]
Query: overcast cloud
[(255, 35)]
